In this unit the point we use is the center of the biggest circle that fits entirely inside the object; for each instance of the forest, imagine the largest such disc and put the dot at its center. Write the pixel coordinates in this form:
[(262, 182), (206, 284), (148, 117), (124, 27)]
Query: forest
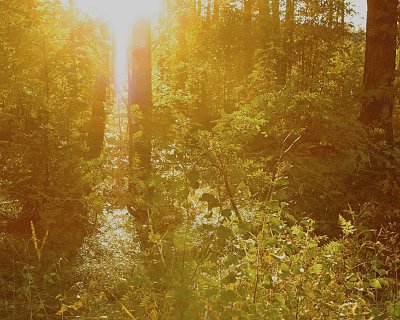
[(199, 159)]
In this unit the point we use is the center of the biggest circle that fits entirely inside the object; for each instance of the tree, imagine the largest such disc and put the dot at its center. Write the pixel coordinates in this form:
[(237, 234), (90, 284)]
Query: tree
[(289, 36), (379, 68), (140, 95), (248, 34)]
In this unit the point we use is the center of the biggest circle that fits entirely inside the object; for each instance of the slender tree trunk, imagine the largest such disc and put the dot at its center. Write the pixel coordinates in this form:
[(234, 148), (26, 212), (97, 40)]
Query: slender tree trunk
[(289, 37), (139, 119), (248, 36), (330, 14), (264, 23), (182, 53), (97, 123), (379, 68), (276, 21), (343, 15), (280, 67)]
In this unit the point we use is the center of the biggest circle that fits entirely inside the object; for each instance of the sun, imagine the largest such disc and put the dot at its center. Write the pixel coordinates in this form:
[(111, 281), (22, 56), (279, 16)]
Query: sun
[(116, 12), (120, 16), (119, 12)]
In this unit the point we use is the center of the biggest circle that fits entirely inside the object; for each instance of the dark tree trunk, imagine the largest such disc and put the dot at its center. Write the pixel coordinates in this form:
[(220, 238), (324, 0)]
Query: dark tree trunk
[(276, 21), (280, 66), (97, 123), (248, 36), (264, 21), (379, 68), (182, 53), (289, 37), (139, 119), (343, 15)]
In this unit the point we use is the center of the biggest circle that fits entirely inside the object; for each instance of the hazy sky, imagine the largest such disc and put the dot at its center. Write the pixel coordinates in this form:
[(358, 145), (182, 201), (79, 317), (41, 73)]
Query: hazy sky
[(359, 19)]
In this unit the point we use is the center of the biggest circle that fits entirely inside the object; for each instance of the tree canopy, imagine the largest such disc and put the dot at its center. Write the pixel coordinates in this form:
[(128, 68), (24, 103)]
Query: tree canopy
[(243, 163)]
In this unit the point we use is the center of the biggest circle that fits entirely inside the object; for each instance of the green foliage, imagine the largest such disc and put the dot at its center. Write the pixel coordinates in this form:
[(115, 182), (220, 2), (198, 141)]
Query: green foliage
[(257, 154)]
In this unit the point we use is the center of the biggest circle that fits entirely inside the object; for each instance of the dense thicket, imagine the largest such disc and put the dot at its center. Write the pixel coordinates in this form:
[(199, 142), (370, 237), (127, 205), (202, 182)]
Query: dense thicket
[(254, 189)]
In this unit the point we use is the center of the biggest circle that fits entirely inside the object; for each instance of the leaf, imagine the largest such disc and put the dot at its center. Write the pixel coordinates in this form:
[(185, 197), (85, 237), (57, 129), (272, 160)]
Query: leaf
[(193, 177), (384, 282), (271, 242), (382, 272), (211, 292), (276, 224), (316, 269), (285, 269), (231, 259), (394, 309), (244, 227), (349, 285), (282, 181), (210, 199), (280, 256), (296, 230), (353, 277), (228, 296), (230, 278), (346, 226), (62, 310), (238, 175), (278, 297), (273, 205), (308, 222), (281, 195), (374, 283), (223, 233), (226, 213)]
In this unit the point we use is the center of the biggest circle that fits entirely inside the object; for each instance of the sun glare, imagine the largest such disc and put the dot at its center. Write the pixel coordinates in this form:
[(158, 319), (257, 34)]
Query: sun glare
[(119, 12), (120, 16)]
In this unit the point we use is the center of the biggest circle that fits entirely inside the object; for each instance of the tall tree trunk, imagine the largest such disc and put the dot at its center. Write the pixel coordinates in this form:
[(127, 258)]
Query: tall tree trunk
[(276, 21), (280, 68), (139, 120), (97, 123), (342, 15), (379, 68), (264, 20), (248, 36), (331, 9), (182, 53), (289, 37)]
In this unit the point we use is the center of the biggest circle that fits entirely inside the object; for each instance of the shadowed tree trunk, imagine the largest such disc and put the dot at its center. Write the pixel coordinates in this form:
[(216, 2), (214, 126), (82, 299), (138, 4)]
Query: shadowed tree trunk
[(289, 37), (264, 21), (379, 68), (343, 15), (248, 36), (97, 123), (280, 66), (139, 120)]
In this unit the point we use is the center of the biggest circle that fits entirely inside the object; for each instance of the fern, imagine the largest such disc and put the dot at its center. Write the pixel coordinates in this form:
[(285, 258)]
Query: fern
[(346, 226)]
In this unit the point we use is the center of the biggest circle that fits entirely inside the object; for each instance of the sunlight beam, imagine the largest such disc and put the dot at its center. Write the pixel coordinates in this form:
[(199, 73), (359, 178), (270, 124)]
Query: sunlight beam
[(120, 16)]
